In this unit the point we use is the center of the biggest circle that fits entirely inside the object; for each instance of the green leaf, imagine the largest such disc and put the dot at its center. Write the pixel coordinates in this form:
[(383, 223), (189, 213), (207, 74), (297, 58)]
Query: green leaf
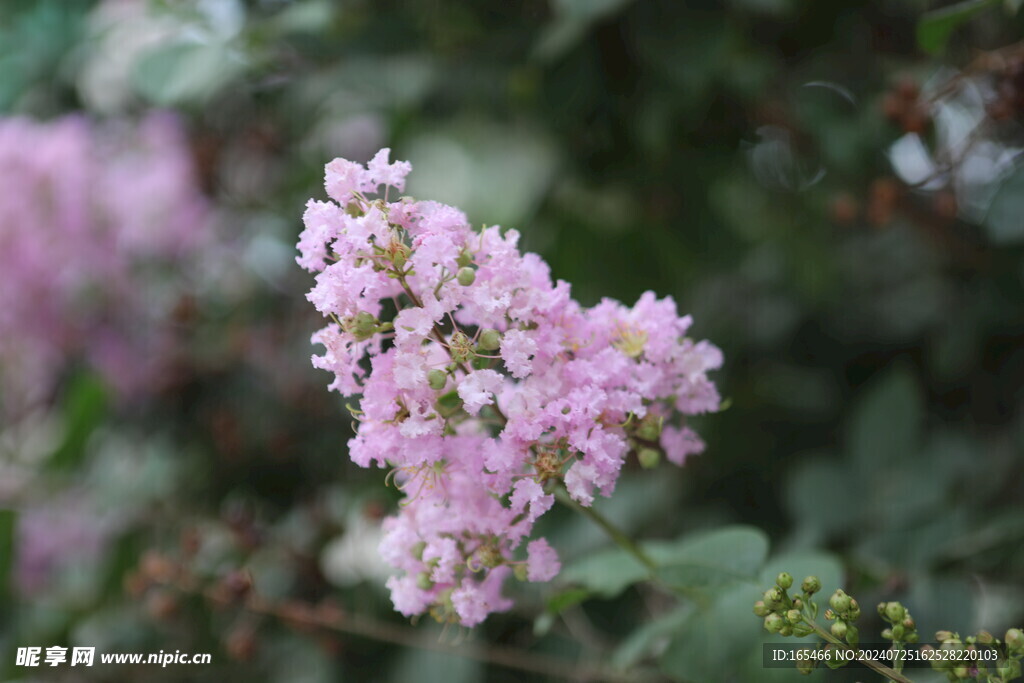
[(84, 409), (935, 28), (1003, 221), (8, 526), (711, 644), (801, 564), (606, 573), (650, 637), (186, 72), (886, 425), (711, 559)]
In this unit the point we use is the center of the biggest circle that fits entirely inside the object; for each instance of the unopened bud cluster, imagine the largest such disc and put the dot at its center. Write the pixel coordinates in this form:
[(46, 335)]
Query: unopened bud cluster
[(484, 384), (795, 616), (962, 664)]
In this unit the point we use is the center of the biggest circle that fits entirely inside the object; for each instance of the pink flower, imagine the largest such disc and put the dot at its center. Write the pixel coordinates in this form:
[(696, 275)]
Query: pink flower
[(542, 561), (570, 389)]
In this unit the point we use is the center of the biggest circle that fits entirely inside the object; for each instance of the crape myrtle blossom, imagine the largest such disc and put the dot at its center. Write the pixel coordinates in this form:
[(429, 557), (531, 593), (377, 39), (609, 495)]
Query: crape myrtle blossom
[(484, 384), (91, 216)]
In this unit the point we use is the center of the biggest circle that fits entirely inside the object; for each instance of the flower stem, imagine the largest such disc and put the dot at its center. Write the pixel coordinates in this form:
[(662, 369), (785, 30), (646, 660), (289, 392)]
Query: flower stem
[(889, 673), (616, 534)]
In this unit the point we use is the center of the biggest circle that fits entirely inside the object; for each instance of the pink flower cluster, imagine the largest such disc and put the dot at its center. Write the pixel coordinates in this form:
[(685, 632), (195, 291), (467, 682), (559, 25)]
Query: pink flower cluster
[(484, 384), (89, 215)]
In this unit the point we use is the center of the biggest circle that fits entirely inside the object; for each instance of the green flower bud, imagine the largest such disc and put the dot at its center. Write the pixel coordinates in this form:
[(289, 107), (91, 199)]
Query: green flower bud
[(840, 601), (521, 572), (962, 672), (839, 629), (773, 623), (437, 379), (760, 609), (648, 458), (1014, 639), (798, 603), (1009, 669), (423, 581), (801, 630), (908, 623), (400, 254), (490, 340), (887, 634), (894, 612), (460, 348), (417, 550), (911, 637), (854, 610), (489, 556), (784, 580), (898, 632), (362, 326), (881, 609), (852, 635), (464, 259), (793, 616), (649, 429), (985, 638), (466, 276), (786, 630), (773, 596), (811, 585), (806, 664), (944, 636)]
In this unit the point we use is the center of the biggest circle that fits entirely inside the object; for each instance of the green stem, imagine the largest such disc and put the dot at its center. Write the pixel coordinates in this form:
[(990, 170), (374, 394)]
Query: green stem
[(616, 534), (889, 673)]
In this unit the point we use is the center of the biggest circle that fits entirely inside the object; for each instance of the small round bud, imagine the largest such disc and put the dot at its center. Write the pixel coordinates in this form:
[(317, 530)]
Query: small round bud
[(854, 610), (362, 326), (898, 632), (423, 581), (417, 550), (911, 637), (784, 580), (490, 340), (786, 630), (760, 609), (648, 457), (985, 638), (798, 603), (521, 572), (881, 608), (773, 597), (437, 379), (773, 623), (1014, 639), (894, 612), (466, 276), (852, 635), (839, 601), (400, 254), (962, 672), (464, 259), (908, 623), (839, 629), (793, 616), (649, 429), (886, 634), (811, 585), (945, 636)]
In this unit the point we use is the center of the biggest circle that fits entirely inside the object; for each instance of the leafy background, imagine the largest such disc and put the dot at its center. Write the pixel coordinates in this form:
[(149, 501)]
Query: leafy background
[(736, 155)]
